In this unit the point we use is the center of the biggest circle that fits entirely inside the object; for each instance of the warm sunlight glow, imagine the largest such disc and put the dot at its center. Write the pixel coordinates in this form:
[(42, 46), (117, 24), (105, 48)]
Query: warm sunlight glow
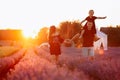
[(101, 51), (29, 33)]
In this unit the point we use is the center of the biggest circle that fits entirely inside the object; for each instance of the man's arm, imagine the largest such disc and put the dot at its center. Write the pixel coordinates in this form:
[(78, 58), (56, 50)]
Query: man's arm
[(75, 36), (101, 17), (82, 32)]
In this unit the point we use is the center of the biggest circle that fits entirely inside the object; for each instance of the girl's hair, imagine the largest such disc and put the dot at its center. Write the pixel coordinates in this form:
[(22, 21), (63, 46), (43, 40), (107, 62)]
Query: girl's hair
[(91, 11), (52, 30)]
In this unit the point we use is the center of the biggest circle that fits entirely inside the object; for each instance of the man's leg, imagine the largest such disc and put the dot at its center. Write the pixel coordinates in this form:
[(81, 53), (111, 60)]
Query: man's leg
[(91, 53), (85, 51)]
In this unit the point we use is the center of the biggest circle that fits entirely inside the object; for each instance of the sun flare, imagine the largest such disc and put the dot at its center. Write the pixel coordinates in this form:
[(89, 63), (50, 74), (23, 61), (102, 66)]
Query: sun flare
[(101, 51), (29, 33)]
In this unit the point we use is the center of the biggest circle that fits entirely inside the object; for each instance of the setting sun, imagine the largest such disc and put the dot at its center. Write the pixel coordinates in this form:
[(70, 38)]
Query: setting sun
[(29, 33)]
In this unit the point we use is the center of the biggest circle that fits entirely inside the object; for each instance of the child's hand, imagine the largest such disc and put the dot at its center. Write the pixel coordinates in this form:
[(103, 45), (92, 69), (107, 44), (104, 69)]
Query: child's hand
[(105, 17)]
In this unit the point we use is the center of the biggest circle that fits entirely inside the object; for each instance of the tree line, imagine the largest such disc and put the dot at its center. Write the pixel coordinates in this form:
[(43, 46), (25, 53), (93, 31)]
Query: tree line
[(67, 30)]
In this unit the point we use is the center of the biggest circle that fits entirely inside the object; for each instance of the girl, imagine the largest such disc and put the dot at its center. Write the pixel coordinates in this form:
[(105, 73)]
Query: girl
[(55, 42)]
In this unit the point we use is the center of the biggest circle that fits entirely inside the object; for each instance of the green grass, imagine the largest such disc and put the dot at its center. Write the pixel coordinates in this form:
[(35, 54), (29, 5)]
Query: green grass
[(7, 51)]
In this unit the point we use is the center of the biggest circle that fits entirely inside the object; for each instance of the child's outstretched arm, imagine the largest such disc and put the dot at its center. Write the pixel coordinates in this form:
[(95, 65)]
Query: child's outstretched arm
[(83, 21), (101, 17)]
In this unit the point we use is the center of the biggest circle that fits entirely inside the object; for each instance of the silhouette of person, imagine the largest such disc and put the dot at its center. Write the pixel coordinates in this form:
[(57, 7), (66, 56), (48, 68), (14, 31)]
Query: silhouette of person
[(88, 40), (55, 42), (91, 19)]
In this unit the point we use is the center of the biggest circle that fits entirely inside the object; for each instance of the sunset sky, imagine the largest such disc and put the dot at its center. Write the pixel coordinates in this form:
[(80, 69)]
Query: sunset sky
[(34, 14)]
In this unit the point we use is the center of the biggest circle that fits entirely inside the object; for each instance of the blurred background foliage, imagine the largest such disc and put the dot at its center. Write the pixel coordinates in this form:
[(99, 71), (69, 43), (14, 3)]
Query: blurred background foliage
[(67, 30)]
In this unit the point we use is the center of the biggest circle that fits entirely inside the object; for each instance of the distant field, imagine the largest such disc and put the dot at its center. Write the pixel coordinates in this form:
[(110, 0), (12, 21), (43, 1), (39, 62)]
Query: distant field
[(7, 50)]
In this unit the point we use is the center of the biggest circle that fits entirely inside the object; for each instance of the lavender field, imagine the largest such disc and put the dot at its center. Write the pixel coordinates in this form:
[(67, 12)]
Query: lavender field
[(37, 64)]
